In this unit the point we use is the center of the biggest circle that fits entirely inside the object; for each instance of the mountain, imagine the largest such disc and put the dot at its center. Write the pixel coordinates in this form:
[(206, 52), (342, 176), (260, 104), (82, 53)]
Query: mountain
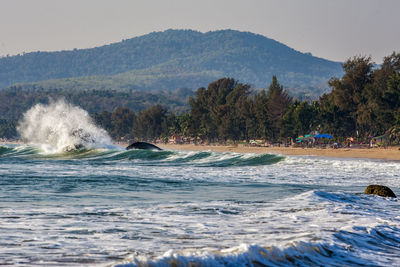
[(168, 60)]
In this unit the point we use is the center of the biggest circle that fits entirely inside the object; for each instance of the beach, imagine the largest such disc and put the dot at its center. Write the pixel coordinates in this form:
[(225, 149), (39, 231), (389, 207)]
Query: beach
[(390, 153)]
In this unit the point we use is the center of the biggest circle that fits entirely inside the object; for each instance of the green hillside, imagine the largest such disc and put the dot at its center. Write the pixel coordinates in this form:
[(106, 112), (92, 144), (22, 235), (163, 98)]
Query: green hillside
[(169, 60)]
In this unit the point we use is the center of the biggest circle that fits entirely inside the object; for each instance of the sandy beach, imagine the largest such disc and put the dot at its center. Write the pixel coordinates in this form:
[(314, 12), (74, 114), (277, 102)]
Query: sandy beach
[(391, 153)]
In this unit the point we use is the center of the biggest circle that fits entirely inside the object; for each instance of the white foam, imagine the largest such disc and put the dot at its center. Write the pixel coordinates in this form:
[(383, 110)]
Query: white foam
[(60, 126)]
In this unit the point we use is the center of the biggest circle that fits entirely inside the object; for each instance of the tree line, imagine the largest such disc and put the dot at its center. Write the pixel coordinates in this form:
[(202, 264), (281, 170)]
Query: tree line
[(364, 102)]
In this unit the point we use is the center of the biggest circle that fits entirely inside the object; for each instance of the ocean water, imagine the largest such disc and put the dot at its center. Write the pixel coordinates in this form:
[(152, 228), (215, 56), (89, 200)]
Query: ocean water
[(102, 207), (71, 198)]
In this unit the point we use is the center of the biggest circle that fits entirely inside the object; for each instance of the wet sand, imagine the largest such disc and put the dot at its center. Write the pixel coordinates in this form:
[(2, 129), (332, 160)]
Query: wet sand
[(391, 153)]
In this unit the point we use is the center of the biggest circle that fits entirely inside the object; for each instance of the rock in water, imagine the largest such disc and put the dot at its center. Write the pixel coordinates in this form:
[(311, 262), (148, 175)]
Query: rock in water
[(142, 145), (379, 190)]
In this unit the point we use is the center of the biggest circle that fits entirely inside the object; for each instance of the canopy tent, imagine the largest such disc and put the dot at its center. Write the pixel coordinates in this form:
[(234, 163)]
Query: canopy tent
[(328, 136), (304, 138)]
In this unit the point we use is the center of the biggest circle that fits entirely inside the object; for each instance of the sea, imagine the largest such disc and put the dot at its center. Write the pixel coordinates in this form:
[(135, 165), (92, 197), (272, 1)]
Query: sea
[(69, 197)]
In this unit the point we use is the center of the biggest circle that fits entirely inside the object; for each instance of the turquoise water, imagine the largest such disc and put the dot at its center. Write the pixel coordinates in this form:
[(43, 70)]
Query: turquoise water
[(102, 207)]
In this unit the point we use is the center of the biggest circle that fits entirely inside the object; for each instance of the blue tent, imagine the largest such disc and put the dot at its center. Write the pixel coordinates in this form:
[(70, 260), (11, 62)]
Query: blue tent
[(323, 136)]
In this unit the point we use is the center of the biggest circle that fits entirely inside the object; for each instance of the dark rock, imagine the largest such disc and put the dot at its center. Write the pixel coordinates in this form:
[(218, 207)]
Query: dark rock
[(379, 190), (142, 145)]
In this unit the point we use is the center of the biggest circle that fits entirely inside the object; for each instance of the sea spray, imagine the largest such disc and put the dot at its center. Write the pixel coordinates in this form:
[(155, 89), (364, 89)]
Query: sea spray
[(60, 126)]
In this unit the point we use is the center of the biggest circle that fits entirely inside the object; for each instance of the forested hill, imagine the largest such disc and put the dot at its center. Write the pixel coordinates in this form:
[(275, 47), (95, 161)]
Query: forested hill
[(169, 60)]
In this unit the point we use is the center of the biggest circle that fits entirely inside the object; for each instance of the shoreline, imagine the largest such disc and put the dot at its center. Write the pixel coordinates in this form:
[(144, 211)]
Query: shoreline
[(391, 153)]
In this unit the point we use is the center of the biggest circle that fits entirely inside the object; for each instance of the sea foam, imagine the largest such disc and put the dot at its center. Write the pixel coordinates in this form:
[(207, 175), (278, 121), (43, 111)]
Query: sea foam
[(60, 126)]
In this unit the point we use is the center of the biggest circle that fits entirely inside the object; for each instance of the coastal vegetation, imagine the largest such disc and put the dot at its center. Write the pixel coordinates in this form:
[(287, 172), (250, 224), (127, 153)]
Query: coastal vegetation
[(363, 103)]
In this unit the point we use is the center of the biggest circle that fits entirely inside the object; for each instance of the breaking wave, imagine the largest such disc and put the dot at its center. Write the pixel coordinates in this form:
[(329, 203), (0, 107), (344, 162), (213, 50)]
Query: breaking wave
[(370, 238), (60, 126), (353, 250), (145, 157)]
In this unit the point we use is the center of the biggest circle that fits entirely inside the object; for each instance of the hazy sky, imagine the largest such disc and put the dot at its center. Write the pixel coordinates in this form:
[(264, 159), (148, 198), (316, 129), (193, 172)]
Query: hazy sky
[(332, 29)]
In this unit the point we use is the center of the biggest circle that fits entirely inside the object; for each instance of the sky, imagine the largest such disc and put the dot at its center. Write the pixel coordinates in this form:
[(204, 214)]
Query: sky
[(331, 29)]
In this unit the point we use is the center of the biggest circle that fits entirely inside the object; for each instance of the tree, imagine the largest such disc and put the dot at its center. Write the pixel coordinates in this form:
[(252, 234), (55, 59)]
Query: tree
[(201, 123), (221, 114), (348, 92), (222, 111), (261, 115), (151, 123), (382, 96), (8, 128), (122, 120), (103, 120), (278, 102), (301, 118)]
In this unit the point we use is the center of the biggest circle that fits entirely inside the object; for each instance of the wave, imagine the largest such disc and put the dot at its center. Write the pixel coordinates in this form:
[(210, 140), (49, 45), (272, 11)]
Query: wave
[(379, 246), (370, 238), (227, 159), (60, 126), (5, 150), (146, 157), (17, 151)]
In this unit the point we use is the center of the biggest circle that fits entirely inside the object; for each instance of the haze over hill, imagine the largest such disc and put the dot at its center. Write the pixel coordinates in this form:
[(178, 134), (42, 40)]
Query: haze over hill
[(169, 60)]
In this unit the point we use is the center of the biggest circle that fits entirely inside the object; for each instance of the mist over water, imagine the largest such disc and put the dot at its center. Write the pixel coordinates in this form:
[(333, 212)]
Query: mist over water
[(60, 126)]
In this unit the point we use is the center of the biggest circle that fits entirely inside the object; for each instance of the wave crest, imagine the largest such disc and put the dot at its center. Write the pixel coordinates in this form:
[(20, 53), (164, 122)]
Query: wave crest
[(60, 126), (140, 157), (352, 249)]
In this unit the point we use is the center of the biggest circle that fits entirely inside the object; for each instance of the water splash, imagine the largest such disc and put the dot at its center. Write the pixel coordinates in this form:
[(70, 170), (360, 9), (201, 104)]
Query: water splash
[(60, 126)]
